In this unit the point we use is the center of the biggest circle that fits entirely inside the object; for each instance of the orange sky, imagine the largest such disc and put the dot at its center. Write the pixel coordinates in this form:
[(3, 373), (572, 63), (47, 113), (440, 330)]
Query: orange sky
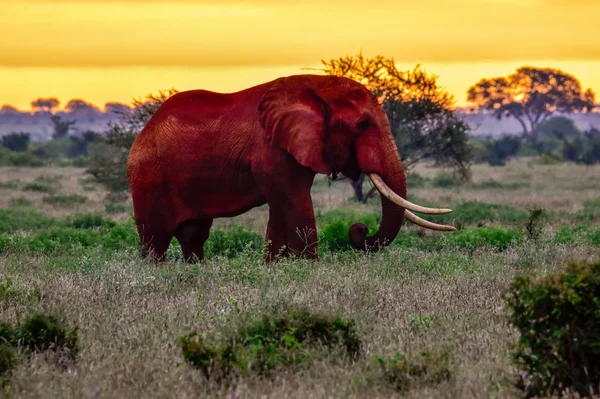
[(111, 50)]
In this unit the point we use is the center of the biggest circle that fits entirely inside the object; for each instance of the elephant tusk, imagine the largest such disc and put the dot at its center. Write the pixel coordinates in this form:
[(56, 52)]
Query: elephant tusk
[(425, 223), (392, 196)]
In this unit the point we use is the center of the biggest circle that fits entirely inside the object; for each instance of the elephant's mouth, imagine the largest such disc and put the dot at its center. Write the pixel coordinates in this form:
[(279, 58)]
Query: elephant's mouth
[(409, 206)]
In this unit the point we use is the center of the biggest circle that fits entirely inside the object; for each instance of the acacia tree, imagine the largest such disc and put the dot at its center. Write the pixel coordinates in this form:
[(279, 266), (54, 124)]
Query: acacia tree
[(531, 95), (45, 104), (420, 113)]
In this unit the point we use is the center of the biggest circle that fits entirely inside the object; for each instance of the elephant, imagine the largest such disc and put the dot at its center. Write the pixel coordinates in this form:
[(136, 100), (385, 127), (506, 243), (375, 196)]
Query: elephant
[(206, 155)]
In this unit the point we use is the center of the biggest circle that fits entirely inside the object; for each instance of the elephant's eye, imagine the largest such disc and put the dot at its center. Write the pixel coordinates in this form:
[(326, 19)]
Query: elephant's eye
[(363, 125)]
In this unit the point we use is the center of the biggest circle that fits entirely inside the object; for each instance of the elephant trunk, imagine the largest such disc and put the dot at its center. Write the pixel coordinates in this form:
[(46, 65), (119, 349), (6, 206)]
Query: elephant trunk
[(384, 160), (383, 165)]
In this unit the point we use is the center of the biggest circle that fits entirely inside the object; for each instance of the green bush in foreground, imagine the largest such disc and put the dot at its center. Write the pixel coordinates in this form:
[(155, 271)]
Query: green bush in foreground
[(558, 319), (38, 333), (271, 343)]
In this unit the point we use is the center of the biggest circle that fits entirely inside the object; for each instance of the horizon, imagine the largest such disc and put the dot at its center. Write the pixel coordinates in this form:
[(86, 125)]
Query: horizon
[(116, 50)]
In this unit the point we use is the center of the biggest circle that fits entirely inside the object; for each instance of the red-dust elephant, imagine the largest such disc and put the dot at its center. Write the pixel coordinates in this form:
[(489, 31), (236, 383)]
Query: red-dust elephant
[(205, 155)]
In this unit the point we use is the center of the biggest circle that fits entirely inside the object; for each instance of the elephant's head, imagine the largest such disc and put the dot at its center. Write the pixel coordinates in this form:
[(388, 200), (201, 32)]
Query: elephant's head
[(334, 124)]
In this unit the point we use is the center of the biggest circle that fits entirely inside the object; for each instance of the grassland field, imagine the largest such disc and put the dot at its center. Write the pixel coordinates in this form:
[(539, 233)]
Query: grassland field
[(68, 248)]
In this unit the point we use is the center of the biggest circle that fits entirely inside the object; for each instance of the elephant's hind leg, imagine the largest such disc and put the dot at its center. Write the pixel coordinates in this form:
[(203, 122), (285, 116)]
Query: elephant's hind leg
[(192, 234)]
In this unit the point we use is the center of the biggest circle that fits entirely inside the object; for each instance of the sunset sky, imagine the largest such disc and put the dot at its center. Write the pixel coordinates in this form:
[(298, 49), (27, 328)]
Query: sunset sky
[(114, 50)]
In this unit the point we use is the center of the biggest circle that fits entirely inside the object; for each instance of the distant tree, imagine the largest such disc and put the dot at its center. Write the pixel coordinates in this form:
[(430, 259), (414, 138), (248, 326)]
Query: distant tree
[(9, 110), (110, 168), (79, 106), (558, 126), (531, 95), (498, 151), (117, 108), (61, 126), (79, 144), (421, 117), (18, 142), (45, 104)]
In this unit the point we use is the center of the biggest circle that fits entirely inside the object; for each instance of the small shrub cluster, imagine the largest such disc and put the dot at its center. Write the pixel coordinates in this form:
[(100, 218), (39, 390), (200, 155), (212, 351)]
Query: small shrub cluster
[(334, 225), (443, 180), (473, 212), (232, 242), (426, 368), (9, 184), (38, 333), (43, 184), (558, 318), (271, 343), (65, 200)]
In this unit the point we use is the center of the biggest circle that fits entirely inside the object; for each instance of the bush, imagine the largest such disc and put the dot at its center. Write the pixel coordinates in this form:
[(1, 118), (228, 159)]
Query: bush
[(270, 343), (473, 212), (492, 184), (496, 152), (334, 225), (443, 180), (558, 319), (497, 237), (17, 142), (90, 221), (14, 219), (418, 369), (43, 184), (7, 358), (20, 202), (9, 184), (41, 332), (415, 180), (9, 158), (231, 242), (65, 200), (112, 207)]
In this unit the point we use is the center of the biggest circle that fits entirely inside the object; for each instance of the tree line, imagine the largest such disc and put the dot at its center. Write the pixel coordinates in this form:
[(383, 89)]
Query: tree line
[(423, 119)]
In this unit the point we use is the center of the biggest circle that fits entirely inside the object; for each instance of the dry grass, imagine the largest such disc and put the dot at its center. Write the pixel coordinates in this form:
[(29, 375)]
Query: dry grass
[(130, 311)]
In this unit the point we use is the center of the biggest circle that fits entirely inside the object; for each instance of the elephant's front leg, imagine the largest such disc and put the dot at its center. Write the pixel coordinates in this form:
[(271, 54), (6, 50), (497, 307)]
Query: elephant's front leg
[(291, 229)]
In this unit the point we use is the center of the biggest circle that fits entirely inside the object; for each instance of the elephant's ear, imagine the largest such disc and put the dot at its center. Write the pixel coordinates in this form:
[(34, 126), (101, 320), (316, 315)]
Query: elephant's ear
[(294, 119)]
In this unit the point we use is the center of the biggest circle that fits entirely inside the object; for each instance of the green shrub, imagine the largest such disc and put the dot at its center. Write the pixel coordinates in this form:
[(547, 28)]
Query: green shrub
[(7, 358), (90, 221), (443, 180), (42, 184), (334, 225), (415, 180), (594, 236), (232, 241), (65, 200), (9, 184), (549, 158), (17, 142), (270, 343), (591, 211), (112, 207), (492, 184), (25, 159), (20, 202), (558, 318), (567, 235), (473, 212), (15, 219), (41, 332), (481, 236), (426, 368)]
